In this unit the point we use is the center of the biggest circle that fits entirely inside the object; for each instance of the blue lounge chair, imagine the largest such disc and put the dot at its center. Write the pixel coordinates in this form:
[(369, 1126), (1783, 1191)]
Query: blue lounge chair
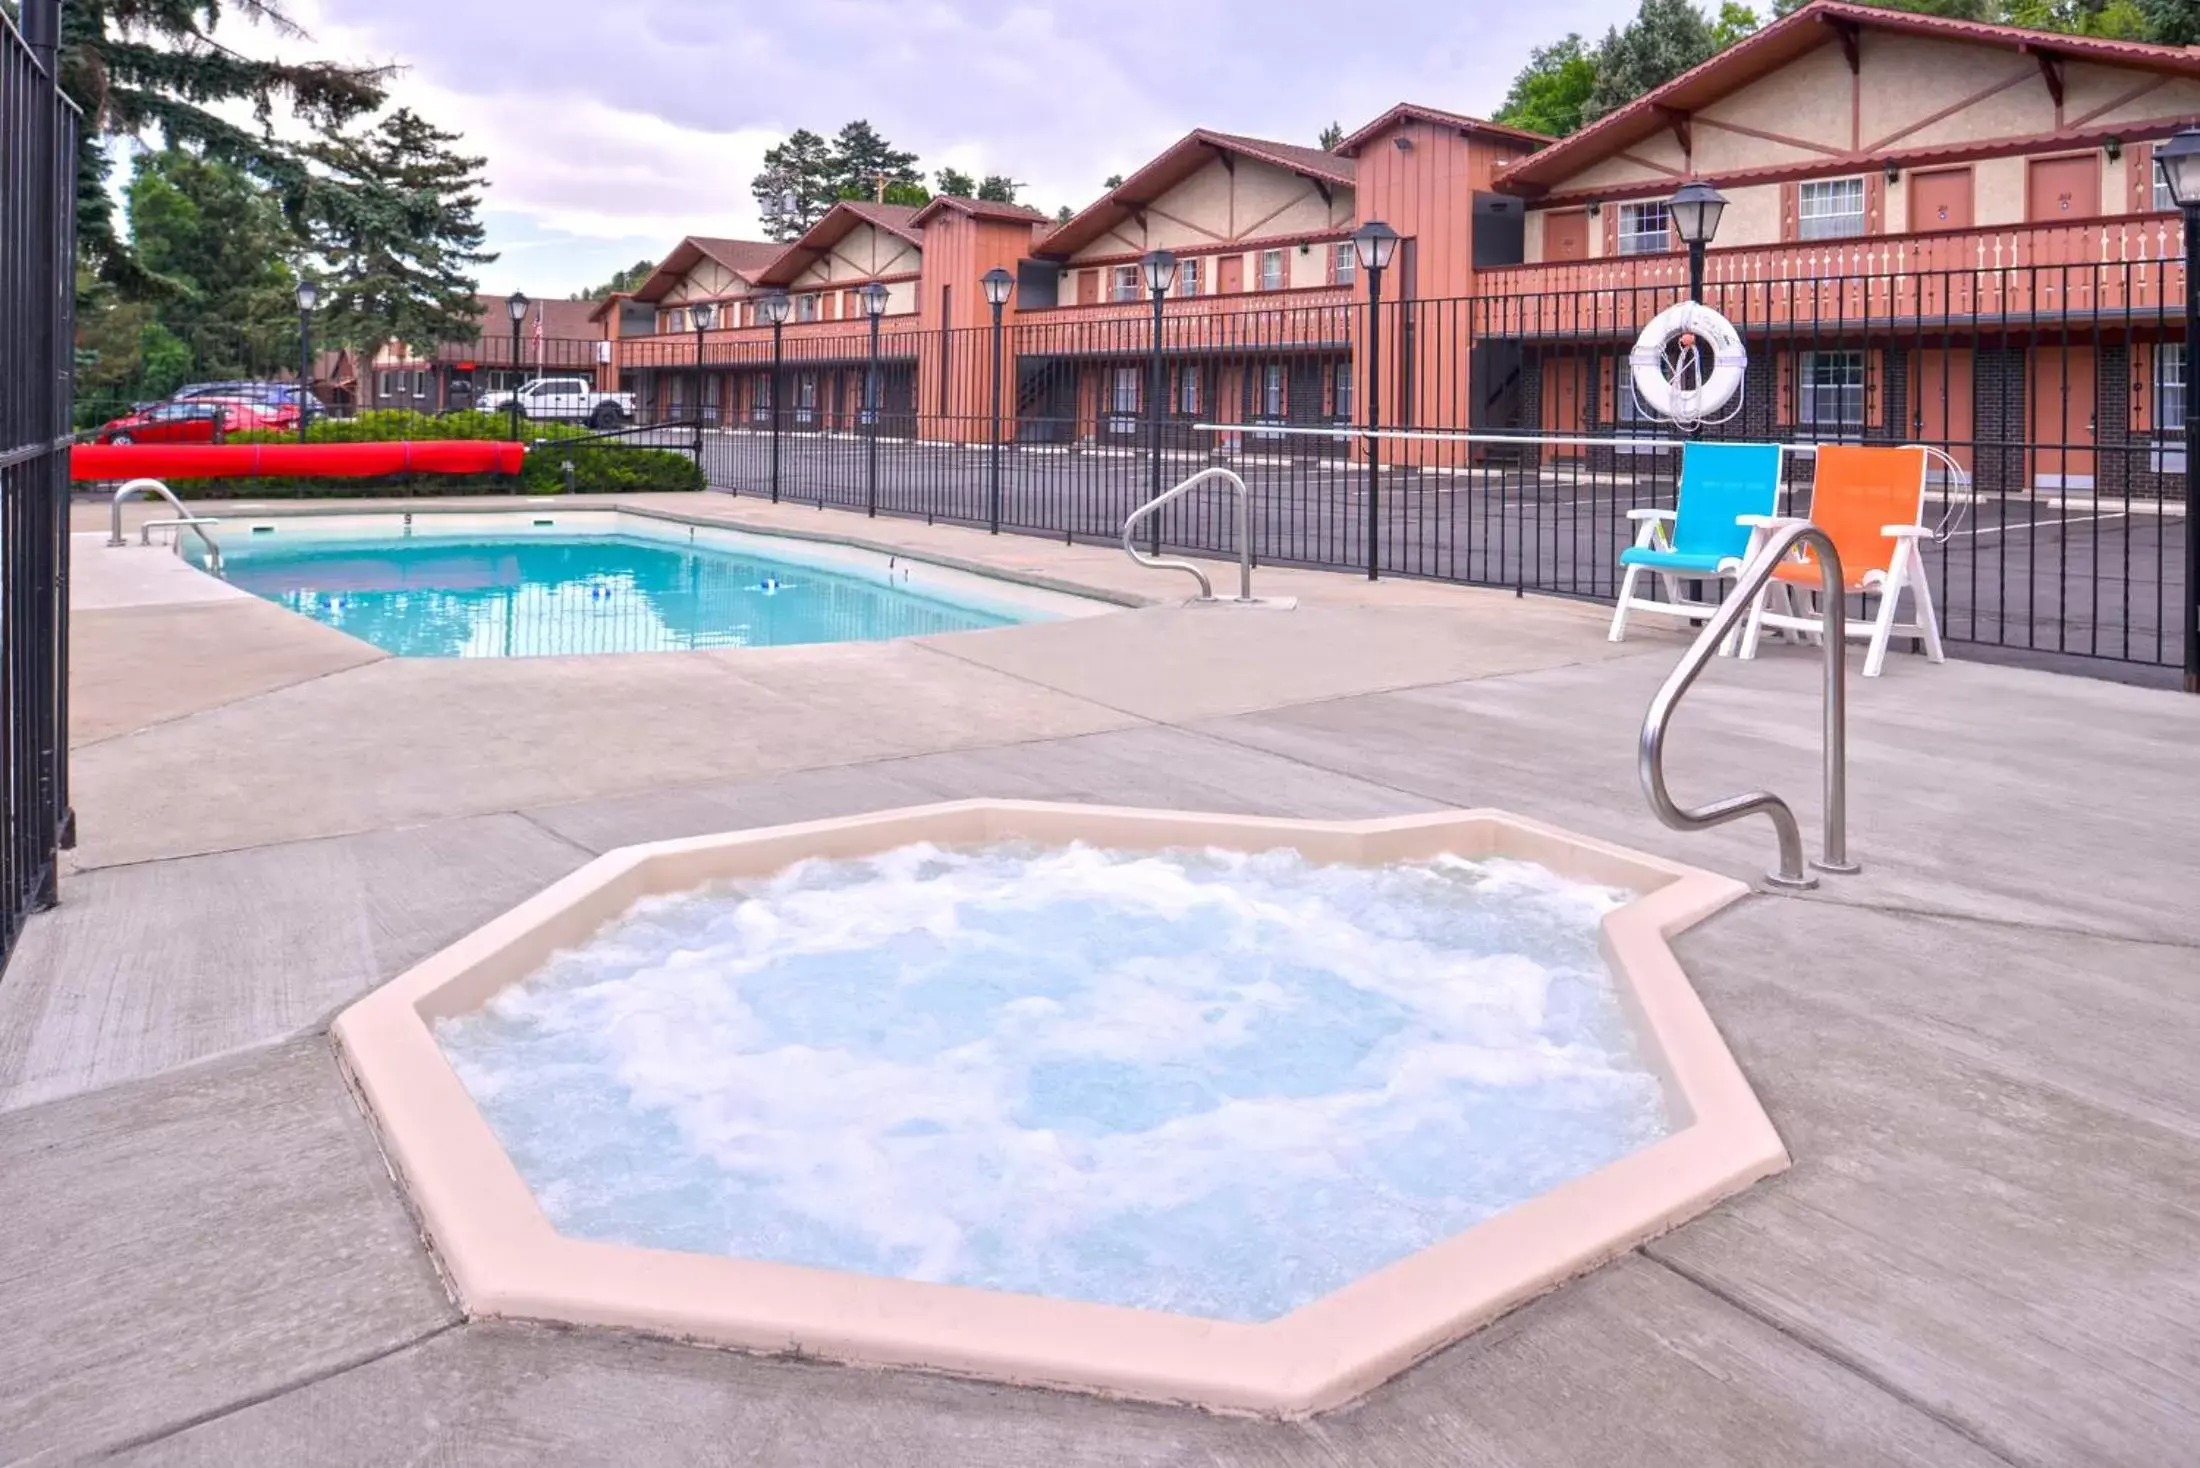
[(1723, 487)]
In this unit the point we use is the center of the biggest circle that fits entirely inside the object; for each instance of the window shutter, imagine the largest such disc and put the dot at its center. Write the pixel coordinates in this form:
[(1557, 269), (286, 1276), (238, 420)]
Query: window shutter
[(1791, 211), (2139, 166), (2142, 387), (1875, 203), (1875, 389), (1783, 396)]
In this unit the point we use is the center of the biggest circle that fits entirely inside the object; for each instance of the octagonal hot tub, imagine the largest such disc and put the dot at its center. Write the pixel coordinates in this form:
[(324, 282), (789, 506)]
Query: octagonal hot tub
[(1239, 1112)]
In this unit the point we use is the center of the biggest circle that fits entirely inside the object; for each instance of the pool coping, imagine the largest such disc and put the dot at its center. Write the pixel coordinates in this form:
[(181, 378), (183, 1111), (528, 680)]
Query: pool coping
[(504, 1260)]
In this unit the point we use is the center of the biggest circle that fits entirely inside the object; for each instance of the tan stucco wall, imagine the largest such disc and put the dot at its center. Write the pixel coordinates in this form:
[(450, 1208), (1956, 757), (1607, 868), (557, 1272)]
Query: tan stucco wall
[(1997, 191), (863, 252), (1807, 98), (1214, 207), (1752, 216), (707, 281)]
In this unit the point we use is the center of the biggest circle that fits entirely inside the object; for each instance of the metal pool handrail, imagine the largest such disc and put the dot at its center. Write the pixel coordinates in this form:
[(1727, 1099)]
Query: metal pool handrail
[(1650, 760), (183, 516), (1244, 534)]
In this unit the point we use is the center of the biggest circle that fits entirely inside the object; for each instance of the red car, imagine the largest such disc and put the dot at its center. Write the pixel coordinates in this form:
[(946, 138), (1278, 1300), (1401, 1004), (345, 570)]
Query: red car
[(197, 420)]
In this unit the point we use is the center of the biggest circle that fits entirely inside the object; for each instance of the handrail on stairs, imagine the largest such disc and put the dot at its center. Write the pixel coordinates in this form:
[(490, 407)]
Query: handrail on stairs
[(1165, 563), (1650, 760), (183, 517)]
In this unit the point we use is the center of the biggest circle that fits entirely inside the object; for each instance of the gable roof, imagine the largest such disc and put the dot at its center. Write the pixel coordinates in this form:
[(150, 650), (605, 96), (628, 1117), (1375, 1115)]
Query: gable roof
[(836, 225), (1415, 112), (1792, 37), (559, 318), (745, 258), (977, 209), (1179, 161)]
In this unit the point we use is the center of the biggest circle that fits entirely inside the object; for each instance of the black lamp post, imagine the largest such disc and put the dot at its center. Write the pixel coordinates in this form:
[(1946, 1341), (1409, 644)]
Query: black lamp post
[(308, 295), (773, 308), (516, 303), (998, 284), (873, 297), (1696, 207), (1374, 242), (1159, 269), (702, 315), (2179, 159)]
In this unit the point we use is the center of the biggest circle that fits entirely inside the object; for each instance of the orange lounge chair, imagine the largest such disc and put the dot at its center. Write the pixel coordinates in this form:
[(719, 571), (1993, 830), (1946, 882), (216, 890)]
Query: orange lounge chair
[(1871, 501)]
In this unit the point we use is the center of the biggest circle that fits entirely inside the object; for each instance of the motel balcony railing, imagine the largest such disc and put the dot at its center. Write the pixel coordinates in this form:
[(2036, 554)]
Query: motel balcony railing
[(2126, 266)]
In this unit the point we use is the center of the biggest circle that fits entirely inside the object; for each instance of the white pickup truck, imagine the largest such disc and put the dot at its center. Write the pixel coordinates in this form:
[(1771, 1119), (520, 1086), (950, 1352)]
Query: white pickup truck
[(565, 399)]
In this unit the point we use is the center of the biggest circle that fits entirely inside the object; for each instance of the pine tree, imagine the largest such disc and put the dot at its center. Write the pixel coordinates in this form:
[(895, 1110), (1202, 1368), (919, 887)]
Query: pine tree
[(862, 163), (1552, 89), (1331, 136), (998, 188), (140, 66), (399, 239), (798, 170), (215, 242), (1665, 38), (956, 184)]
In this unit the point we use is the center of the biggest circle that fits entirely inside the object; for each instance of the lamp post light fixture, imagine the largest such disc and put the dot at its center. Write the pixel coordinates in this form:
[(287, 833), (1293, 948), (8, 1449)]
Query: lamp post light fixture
[(1158, 267), (1695, 208), (1374, 243), (517, 304), (998, 284), (773, 309), (703, 316), (309, 295), (873, 297), (2179, 160)]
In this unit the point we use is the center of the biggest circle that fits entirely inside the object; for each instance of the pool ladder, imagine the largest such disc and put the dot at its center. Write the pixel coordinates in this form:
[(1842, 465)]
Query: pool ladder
[(1650, 759), (184, 519), (1165, 563)]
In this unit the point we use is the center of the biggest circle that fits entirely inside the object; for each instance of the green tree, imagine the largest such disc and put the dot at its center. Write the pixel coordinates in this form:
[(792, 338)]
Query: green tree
[(2120, 20), (1734, 21), (399, 241), (999, 188), (1987, 10), (2172, 22), (140, 66), (1114, 181), (621, 280), (796, 187), (956, 184), (1331, 136), (214, 241), (1064, 214), (1552, 89), (862, 163), (1665, 38)]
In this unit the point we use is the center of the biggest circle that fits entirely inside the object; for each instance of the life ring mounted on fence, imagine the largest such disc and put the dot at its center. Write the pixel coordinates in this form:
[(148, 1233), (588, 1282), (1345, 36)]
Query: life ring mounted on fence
[(1688, 366)]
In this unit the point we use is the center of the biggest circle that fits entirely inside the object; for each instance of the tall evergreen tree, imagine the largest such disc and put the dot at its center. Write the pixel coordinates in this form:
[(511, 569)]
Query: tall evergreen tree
[(862, 163), (998, 188), (1551, 90), (1665, 38), (800, 170), (1331, 136), (956, 184), (143, 66), (215, 241), (400, 254)]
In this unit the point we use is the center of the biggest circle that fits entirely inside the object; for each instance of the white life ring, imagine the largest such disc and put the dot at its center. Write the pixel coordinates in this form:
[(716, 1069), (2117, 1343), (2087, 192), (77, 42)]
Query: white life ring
[(1698, 326)]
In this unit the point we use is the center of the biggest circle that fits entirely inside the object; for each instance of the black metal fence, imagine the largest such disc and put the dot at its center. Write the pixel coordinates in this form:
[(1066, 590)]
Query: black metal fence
[(2056, 384), (37, 246)]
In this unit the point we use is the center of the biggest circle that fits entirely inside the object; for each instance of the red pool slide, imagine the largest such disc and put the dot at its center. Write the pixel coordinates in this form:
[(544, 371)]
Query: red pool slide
[(329, 460)]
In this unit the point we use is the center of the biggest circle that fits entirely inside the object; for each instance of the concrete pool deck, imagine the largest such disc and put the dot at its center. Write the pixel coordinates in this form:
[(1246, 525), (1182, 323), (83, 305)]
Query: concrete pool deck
[(1979, 1052)]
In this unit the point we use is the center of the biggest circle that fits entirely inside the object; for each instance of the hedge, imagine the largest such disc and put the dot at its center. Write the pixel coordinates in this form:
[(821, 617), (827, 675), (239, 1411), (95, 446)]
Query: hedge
[(606, 466)]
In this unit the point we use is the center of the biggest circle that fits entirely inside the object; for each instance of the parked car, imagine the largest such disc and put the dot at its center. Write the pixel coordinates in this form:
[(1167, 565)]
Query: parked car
[(200, 420), (278, 393), (566, 400)]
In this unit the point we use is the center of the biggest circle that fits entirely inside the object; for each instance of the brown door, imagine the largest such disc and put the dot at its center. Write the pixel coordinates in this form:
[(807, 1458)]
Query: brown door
[(1940, 198), (1944, 401), (2062, 417), (1565, 386), (1229, 274), (1088, 287), (2063, 188), (1566, 235)]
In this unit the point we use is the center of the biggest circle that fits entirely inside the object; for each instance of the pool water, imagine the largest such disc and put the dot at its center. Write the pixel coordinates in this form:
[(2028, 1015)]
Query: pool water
[(1205, 1082), (491, 596)]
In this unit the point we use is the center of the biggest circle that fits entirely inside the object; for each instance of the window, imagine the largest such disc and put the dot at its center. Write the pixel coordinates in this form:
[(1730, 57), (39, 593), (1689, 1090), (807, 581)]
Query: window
[(1271, 390), (805, 397), (1344, 263), (2169, 408), (2162, 200), (676, 320), (382, 381), (1644, 229), (809, 307), (1123, 393), (1187, 389), (1830, 388), (1830, 209), (1187, 277), (1271, 270), (1340, 396), (762, 410), (1124, 284)]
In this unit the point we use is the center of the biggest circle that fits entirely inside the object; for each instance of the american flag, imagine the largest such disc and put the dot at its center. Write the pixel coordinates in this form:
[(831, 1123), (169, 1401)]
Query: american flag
[(538, 333)]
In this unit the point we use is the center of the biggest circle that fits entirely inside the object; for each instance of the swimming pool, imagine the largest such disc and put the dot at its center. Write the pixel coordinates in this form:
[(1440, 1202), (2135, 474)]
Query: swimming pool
[(541, 584)]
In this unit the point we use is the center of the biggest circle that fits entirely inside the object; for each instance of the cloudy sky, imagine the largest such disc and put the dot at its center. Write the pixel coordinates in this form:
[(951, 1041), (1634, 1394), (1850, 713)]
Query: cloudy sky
[(612, 129)]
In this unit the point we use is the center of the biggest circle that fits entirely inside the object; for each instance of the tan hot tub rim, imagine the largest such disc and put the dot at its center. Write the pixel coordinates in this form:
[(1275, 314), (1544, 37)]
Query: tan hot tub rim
[(505, 1261)]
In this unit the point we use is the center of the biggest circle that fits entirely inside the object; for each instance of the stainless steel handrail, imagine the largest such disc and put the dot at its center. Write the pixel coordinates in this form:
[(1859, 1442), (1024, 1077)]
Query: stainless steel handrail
[(1650, 760), (1244, 533), (184, 517)]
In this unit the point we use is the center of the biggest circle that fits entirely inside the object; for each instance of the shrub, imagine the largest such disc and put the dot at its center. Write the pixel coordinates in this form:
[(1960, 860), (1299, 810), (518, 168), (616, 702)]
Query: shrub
[(606, 466)]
